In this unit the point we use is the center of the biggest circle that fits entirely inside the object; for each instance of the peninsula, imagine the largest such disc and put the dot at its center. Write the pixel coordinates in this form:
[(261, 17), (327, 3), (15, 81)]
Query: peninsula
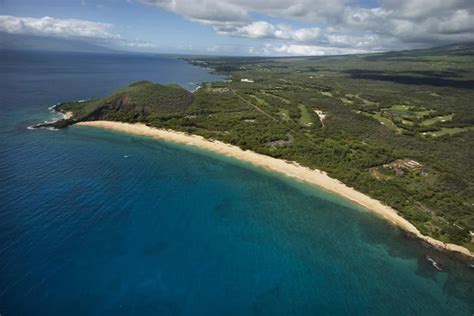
[(396, 129)]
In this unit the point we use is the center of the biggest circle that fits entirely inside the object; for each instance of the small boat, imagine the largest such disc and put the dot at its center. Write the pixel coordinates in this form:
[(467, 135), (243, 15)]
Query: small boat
[(126, 156), (434, 263)]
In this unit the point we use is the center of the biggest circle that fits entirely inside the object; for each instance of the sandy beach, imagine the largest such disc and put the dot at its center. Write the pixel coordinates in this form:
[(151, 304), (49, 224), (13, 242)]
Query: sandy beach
[(314, 177)]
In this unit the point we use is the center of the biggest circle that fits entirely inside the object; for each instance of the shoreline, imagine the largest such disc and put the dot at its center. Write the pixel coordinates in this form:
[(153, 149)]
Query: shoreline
[(46, 124), (292, 169)]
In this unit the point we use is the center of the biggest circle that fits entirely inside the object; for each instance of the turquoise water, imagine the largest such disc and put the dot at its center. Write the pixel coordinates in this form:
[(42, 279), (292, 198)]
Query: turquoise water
[(173, 230)]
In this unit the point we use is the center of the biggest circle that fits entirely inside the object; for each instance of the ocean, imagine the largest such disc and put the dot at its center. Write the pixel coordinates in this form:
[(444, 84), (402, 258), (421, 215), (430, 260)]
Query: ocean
[(94, 222)]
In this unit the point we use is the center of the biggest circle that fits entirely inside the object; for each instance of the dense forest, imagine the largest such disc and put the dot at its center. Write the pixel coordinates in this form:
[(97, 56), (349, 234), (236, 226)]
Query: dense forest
[(398, 126)]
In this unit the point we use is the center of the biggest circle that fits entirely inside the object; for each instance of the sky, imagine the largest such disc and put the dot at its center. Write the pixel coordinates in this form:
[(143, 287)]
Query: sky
[(244, 27)]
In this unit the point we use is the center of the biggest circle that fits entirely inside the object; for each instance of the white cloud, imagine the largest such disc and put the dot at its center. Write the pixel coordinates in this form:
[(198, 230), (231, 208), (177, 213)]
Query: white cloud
[(48, 26), (260, 29), (337, 26), (421, 9), (263, 29), (393, 24), (302, 50), (94, 32), (138, 44), (239, 10), (204, 11), (436, 25)]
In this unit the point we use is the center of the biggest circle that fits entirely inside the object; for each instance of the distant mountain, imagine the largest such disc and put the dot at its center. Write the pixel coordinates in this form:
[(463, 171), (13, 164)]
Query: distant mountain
[(43, 43), (464, 49), (455, 49)]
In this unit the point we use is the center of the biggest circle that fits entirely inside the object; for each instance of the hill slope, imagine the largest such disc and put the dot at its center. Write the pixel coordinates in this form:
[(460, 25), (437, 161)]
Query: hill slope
[(138, 102)]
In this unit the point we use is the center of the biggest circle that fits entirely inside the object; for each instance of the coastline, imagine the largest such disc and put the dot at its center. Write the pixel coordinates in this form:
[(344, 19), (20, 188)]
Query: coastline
[(314, 177), (48, 124)]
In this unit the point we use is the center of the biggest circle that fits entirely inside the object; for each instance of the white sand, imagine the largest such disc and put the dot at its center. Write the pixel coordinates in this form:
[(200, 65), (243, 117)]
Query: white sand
[(314, 177)]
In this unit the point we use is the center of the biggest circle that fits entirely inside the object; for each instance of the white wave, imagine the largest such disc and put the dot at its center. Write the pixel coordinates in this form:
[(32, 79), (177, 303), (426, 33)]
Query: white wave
[(49, 128), (434, 263), (52, 108)]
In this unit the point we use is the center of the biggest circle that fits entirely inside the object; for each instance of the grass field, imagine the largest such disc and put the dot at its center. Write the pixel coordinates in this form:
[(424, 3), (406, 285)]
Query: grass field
[(438, 119), (306, 118), (449, 131)]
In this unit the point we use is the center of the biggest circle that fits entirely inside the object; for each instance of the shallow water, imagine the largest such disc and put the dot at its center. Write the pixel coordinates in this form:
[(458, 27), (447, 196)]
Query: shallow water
[(176, 230)]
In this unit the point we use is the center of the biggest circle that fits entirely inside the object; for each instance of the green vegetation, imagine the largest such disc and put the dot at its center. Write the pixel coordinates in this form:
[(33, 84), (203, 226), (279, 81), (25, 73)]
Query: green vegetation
[(284, 114), (383, 120), (423, 98), (437, 119), (306, 119), (137, 102), (449, 131)]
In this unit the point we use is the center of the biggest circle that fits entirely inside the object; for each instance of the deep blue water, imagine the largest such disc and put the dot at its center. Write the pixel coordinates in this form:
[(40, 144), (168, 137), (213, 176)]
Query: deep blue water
[(177, 231)]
